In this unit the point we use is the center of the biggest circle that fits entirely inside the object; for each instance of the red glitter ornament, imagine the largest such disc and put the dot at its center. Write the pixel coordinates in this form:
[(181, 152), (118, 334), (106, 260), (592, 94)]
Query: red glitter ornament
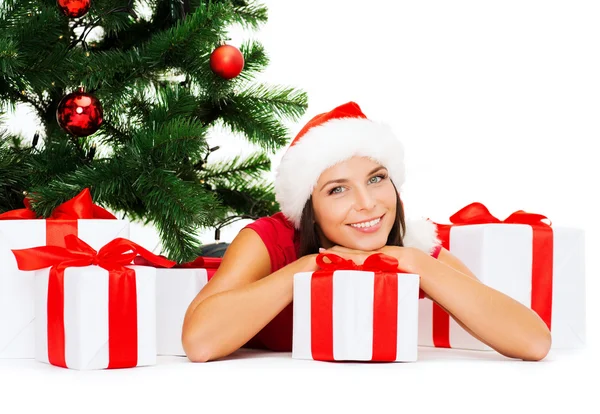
[(227, 61), (74, 8), (79, 113)]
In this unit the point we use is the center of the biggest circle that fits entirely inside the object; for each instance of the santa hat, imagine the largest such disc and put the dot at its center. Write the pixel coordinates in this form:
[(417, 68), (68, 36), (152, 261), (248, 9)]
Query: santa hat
[(333, 137)]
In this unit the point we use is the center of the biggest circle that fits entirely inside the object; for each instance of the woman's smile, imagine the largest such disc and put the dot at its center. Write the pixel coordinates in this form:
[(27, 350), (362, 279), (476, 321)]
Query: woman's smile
[(369, 226)]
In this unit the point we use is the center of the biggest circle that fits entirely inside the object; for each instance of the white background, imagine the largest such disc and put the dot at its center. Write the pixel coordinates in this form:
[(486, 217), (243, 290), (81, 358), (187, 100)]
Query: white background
[(495, 102)]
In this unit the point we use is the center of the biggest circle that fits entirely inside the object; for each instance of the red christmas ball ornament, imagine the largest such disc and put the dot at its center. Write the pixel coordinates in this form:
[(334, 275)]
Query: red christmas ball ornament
[(227, 61), (79, 113), (74, 8)]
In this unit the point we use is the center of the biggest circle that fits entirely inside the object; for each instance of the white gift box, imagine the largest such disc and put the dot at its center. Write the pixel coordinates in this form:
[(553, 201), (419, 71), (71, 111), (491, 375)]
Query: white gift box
[(16, 306), (175, 290), (500, 255), (17, 331), (352, 317), (86, 316)]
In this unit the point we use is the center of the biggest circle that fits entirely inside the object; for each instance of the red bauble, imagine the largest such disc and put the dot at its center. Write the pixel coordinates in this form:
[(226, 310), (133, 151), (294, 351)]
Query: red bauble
[(79, 113), (227, 61), (74, 8)]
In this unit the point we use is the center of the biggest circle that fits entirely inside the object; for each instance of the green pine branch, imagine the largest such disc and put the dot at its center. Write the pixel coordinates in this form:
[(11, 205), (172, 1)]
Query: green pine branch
[(237, 171), (256, 201), (14, 173), (250, 16), (255, 60), (256, 112)]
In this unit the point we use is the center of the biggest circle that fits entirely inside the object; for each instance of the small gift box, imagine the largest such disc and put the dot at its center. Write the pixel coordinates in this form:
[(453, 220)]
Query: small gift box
[(93, 311), (355, 313), (541, 266), (176, 288), (22, 229)]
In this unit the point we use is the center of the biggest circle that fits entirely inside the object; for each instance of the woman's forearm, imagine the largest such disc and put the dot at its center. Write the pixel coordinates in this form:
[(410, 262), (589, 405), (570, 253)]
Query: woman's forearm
[(224, 322), (503, 323)]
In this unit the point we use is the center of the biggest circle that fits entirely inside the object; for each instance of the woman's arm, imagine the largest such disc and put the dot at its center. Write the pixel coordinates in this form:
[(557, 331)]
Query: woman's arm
[(240, 299), (494, 318)]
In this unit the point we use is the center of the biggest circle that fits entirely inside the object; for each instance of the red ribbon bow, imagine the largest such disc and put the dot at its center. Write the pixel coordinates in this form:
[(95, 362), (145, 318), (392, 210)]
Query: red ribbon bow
[(477, 213), (198, 263), (77, 253), (385, 304), (377, 262), (63, 220), (79, 207), (542, 260), (211, 264), (122, 314)]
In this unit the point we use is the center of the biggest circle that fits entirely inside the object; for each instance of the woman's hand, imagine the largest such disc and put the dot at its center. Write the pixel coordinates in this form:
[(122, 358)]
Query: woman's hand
[(309, 263)]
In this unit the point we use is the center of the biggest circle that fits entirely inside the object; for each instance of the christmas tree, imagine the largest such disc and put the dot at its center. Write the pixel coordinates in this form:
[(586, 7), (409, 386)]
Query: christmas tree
[(127, 93)]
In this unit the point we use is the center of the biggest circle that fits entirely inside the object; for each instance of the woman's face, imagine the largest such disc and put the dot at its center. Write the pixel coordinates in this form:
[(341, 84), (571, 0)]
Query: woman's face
[(354, 204)]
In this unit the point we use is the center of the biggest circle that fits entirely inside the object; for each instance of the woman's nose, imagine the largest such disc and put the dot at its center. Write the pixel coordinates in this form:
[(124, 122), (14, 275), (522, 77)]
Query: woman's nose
[(364, 199)]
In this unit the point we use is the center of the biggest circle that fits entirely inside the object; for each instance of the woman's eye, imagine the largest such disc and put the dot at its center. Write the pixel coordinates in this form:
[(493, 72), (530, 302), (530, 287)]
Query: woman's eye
[(333, 190), (381, 177)]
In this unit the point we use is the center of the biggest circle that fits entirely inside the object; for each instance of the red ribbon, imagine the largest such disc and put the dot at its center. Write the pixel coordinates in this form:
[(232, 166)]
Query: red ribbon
[(122, 307), (63, 220), (385, 312), (211, 264), (541, 272)]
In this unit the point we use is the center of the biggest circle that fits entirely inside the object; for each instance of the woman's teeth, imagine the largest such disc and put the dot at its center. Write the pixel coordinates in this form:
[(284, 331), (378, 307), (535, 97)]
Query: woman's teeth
[(367, 224)]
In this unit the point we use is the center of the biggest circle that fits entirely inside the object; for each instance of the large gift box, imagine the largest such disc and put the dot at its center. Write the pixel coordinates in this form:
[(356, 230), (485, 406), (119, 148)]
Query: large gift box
[(347, 312), (21, 229), (176, 288), (93, 310), (535, 263)]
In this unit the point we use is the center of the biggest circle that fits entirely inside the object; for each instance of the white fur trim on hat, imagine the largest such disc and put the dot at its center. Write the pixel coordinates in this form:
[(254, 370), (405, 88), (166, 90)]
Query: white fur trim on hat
[(324, 146), (421, 234)]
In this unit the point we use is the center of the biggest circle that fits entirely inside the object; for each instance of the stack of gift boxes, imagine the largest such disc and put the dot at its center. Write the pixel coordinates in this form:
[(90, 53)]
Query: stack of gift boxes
[(371, 313), (75, 292)]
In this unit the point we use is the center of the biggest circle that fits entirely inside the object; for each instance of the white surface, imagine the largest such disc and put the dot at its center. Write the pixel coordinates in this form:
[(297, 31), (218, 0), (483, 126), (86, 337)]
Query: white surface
[(259, 382), (175, 290), (86, 316)]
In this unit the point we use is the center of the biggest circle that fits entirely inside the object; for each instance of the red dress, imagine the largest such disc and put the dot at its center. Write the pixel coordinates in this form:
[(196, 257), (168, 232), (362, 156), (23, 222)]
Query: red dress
[(283, 244)]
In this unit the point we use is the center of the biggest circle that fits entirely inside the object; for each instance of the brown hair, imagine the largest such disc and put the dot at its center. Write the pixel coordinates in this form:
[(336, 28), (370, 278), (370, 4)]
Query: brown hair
[(309, 238)]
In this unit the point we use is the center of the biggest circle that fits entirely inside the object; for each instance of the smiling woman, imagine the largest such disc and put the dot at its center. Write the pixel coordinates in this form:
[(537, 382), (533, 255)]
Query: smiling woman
[(338, 186), (361, 211)]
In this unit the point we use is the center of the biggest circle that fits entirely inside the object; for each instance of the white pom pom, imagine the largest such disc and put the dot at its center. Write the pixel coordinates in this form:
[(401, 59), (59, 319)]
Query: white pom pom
[(421, 234)]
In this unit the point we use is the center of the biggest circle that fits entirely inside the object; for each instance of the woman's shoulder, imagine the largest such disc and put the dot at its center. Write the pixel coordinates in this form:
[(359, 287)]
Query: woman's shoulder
[(279, 236), (276, 220), (275, 227)]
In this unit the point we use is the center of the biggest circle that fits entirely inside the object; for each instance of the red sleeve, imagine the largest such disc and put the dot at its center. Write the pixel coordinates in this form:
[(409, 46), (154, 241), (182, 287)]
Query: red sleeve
[(278, 239), (436, 251), (278, 236)]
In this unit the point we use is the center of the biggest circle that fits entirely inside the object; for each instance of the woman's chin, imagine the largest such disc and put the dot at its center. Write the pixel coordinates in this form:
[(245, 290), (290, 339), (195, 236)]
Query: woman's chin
[(368, 241), (366, 245)]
